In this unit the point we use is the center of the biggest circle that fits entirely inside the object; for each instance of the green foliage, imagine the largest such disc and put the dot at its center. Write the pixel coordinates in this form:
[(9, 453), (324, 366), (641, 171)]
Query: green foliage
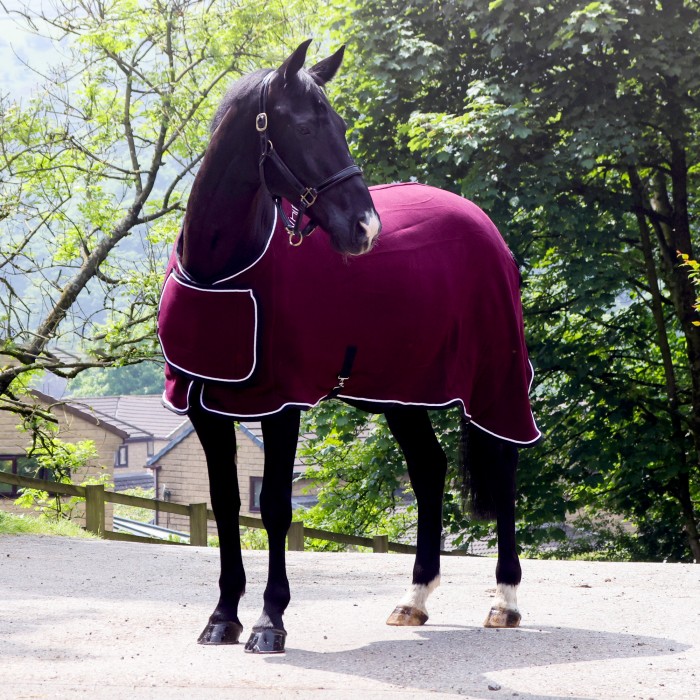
[(576, 127), (11, 524), (142, 378), (97, 163), (143, 515), (693, 267), (358, 480), (61, 460), (359, 475), (58, 461), (251, 538)]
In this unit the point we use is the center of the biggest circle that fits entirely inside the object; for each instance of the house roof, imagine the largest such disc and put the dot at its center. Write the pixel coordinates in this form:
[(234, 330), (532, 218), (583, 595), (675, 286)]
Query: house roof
[(85, 413), (141, 416), (252, 430), (153, 461)]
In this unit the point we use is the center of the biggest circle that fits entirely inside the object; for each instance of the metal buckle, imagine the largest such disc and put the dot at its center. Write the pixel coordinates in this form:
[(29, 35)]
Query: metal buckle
[(308, 196), (295, 238), (261, 122)]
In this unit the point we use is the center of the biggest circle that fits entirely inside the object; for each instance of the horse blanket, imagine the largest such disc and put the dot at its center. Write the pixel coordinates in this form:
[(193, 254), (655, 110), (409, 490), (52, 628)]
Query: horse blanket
[(430, 317)]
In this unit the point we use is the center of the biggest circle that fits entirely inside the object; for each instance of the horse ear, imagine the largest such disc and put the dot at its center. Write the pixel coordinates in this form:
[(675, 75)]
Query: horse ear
[(295, 62), (324, 70)]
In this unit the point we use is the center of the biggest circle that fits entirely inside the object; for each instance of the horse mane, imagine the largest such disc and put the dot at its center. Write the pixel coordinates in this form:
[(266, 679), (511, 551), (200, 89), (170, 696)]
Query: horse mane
[(239, 89), (249, 83)]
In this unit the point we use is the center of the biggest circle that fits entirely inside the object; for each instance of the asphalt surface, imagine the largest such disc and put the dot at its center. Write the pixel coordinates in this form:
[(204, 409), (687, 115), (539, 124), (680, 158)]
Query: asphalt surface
[(88, 618)]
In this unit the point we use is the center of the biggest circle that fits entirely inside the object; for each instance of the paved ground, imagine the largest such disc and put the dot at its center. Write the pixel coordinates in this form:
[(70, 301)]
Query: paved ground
[(95, 619)]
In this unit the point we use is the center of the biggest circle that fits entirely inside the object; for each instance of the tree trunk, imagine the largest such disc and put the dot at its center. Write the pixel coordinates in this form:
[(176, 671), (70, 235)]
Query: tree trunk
[(680, 487), (672, 224)]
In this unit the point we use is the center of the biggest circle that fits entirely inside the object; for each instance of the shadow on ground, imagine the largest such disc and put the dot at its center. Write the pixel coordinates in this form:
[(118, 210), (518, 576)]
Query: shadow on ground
[(458, 659)]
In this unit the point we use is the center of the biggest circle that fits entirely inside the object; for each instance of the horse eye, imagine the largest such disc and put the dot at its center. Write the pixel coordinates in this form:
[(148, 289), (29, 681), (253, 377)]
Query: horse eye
[(303, 129)]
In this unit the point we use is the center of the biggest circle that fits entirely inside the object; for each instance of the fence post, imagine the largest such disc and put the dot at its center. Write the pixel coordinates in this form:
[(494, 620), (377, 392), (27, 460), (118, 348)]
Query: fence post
[(380, 544), (95, 509), (198, 524), (295, 537)]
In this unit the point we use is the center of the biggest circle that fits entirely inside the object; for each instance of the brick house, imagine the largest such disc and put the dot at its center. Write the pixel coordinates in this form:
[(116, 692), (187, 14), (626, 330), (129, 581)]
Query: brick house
[(181, 474), (149, 427), (75, 424)]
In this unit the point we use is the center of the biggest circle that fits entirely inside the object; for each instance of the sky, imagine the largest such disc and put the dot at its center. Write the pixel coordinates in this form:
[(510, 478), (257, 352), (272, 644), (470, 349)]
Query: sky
[(17, 47)]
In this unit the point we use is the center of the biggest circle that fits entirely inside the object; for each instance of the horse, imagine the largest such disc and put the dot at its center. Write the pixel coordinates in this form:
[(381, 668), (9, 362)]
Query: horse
[(407, 299)]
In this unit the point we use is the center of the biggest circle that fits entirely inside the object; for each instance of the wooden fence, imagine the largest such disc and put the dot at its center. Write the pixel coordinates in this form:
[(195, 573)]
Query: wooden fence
[(96, 496)]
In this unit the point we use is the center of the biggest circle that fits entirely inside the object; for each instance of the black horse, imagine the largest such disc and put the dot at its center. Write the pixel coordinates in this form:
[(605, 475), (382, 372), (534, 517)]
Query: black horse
[(252, 327)]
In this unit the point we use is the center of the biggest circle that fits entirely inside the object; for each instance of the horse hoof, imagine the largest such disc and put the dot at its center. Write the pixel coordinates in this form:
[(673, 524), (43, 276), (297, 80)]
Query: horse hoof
[(407, 616), (502, 618), (267, 641), (221, 633)]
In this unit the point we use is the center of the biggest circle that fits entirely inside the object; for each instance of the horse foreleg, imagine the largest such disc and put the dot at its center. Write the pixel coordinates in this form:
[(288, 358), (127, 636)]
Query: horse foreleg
[(280, 435), (218, 437), (427, 466)]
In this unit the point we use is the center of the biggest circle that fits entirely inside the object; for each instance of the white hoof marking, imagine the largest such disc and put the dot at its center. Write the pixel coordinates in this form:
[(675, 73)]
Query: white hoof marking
[(417, 595), (506, 597)]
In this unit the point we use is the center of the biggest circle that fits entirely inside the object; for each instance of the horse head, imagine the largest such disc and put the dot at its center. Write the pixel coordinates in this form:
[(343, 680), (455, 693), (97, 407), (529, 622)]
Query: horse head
[(305, 157)]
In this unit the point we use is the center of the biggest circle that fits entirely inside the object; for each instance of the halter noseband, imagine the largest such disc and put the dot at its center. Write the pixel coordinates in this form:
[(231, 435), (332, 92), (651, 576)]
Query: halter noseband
[(307, 195)]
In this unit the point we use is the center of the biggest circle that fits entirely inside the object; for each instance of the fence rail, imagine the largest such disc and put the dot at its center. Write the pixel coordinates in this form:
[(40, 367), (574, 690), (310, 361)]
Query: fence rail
[(96, 496)]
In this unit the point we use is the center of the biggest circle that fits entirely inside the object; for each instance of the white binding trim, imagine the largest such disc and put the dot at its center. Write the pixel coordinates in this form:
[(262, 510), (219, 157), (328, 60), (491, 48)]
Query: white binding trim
[(181, 271), (259, 258), (304, 405), (246, 416), (171, 406), (184, 273), (301, 405), (189, 372), (447, 404), (417, 595)]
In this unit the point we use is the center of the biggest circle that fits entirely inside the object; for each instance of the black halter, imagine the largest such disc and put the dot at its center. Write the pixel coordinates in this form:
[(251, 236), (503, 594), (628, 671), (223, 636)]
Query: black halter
[(307, 195)]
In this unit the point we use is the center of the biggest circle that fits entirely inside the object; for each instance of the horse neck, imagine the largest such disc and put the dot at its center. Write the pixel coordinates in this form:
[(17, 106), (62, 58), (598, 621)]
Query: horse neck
[(228, 213)]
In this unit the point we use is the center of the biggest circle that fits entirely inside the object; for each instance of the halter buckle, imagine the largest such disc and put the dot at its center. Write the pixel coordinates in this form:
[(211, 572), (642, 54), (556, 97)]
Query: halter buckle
[(261, 122), (308, 196)]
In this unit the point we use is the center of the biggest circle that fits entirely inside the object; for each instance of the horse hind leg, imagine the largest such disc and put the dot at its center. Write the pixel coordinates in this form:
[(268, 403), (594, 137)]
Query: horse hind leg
[(491, 467), (427, 466)]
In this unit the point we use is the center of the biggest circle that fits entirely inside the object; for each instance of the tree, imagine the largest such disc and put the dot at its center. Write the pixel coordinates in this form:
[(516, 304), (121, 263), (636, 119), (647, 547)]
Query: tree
[(95, 167), (575, 126), (143, 378)]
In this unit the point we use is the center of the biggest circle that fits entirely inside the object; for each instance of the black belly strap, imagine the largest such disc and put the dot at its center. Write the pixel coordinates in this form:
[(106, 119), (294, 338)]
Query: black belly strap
[(345, 371)]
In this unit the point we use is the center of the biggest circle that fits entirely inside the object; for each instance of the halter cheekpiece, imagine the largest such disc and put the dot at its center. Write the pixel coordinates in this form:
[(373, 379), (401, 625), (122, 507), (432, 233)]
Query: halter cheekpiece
[(307, 195)]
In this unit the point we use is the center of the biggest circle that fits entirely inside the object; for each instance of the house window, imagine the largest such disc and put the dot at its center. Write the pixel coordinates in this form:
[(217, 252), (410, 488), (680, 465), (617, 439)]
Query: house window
[(122, 459), (22, 466), (255, 489), (149, 448)]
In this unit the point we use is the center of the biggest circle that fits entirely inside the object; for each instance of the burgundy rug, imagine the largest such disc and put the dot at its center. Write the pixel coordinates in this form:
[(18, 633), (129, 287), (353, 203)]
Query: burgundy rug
[(430, 317)]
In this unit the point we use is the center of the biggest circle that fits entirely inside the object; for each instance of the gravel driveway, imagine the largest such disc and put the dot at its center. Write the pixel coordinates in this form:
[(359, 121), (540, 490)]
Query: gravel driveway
[(97, 619)]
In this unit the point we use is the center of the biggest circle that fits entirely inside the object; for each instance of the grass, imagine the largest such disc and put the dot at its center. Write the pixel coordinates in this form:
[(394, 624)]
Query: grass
[(11, 524), (143, 515)]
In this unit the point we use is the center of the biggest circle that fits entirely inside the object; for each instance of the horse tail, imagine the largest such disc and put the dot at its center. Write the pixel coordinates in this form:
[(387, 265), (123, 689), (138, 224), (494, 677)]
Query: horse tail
[(484, 459)]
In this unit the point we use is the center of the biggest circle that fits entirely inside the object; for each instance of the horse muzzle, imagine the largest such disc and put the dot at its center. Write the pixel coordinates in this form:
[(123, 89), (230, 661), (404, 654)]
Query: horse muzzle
[(362, 235)]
